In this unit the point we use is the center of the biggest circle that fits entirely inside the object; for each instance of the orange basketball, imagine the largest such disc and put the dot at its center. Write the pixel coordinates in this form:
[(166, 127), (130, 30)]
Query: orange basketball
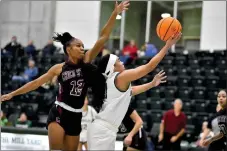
[(167, 27)]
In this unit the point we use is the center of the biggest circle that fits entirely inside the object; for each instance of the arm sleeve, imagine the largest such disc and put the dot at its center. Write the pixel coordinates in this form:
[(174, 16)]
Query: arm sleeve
[(129, 111), (210, 123)]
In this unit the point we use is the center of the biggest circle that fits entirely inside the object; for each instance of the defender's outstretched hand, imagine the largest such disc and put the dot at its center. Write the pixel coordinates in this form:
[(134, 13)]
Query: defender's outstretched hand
[(6, 97), (122, 6)]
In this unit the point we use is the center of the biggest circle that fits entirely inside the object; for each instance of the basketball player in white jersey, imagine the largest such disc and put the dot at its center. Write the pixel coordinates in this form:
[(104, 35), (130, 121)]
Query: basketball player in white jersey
[(88, 115), (118, 92)]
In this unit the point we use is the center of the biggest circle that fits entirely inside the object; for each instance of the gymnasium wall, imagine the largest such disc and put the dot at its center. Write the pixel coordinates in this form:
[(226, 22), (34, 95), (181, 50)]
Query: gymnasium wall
[(28, 20), (37, 20), (135, 20), (80, 18), (213, 26)]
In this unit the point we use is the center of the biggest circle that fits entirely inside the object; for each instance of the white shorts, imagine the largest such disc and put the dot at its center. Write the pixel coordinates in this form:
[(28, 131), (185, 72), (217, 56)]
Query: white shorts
[(101, 137), (83, 137)]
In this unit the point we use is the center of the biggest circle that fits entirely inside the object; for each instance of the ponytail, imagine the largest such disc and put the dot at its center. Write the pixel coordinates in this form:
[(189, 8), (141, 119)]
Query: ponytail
[(97, 82)]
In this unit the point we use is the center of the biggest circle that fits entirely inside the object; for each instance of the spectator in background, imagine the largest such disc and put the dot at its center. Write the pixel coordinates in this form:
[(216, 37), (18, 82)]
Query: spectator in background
[(30, 49), (4, 120), (148, 50), (13, 48), (129, 52), (23, 121), (29, 73), (172, 127), (204, 128), (49, 49)]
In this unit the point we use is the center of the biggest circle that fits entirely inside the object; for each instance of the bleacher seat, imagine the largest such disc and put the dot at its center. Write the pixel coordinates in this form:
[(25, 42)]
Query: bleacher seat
[(168, 105), (211, 82), (206, 61), (156, 117), (186, 106), (198, 93), (180, 61), (170, 92), (182, 71), (183, 81), (209, 72), (141, 61), (212, 94), (141, 104), (141, 96), (197, 81), (154, 105), (194, 72), (184, 92), (154, 93), (171, 80), (221, 63), (168, 60), (193, 63)]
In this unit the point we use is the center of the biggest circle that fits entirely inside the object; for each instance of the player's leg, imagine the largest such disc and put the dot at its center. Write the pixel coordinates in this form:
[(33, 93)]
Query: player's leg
[(131, 149), (139, 141), (100, 137), (72, 125), (85, 145), (56, 136), (71, 142), (80, 146), (56, 133)]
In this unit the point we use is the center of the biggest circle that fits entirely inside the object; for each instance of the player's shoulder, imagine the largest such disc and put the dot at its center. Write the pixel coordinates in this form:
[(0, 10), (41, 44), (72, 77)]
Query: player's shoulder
[(56, 69), (169, 111), (222, 112)]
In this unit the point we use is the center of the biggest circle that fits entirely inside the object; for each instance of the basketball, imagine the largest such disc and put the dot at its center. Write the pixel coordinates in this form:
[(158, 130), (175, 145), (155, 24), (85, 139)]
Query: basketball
[(168, 27)]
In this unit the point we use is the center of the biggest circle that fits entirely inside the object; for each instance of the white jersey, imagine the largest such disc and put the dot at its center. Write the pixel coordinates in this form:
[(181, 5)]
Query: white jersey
[(116, 103), (86, 121)]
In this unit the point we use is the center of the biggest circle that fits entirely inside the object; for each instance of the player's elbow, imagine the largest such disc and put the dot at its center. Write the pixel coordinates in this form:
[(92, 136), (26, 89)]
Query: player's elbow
[(139, 121)]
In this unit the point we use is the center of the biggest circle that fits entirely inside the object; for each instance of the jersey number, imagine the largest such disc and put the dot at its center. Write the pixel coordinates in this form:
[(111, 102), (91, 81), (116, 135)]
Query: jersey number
[(223, 128), (77, 87)]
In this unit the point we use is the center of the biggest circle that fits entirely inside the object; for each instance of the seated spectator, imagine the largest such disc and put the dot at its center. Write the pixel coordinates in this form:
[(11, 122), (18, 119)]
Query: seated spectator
[(204, 128), (151, 50), (172, 127), (29, 73), (30, 48), (23, 122), (49, 49), (148, 50), (4, 120), (129, 52), (13, 48)]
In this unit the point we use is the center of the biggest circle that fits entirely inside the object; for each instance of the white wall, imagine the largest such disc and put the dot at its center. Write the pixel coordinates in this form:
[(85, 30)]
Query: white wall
[(28, 20), (80, 19), (213, 30)]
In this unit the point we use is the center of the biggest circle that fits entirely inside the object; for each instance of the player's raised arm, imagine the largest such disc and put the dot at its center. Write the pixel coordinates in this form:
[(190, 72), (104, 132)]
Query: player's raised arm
[(52, 72), (133, 74), (106, 31)]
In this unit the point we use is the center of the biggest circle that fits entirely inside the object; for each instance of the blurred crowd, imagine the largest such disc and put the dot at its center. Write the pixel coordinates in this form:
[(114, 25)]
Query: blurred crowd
[(171, 132)]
